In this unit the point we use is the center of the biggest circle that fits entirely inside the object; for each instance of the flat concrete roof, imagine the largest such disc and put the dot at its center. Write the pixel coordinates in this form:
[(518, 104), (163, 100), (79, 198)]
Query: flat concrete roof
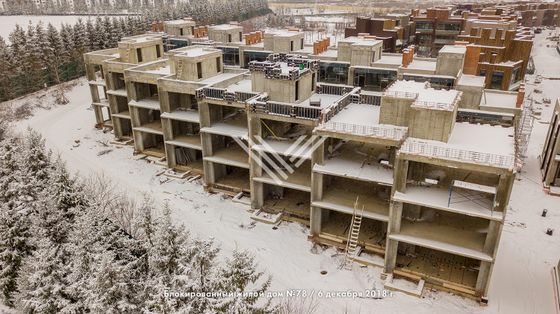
[(241, 86), (360, 114), (471, 80), (484, 138), (427, 65), (498, 99), (390, 59), (355, 40), (197, 51), (453, 49), (225, 27), (325, 99)]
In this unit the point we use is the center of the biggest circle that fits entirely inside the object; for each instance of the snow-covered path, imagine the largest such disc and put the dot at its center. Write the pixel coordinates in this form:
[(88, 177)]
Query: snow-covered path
[(521, 282)]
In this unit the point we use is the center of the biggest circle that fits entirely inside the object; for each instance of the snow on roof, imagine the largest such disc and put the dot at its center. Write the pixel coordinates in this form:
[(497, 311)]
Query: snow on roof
[(436, 99), (166, 70), (498, 99), (360, 41), (218, 78), (241, 86), (469, 143), (484, 138), (418, 64), (471, 80), (425, 96), (326, 100), (224, 27), (282, 33), (453, 49), (360, 114), (195, 51), (362, 119), (390, 59), (407, 86)]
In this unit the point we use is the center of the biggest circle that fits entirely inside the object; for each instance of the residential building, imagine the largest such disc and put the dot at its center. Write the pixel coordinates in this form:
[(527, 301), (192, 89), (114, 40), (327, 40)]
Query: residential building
[(406, 163)]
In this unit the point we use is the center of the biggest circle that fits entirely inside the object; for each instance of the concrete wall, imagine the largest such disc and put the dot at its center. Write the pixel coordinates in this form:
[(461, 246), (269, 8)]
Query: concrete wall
[(128, 52), (440, 124), (395, 111), (471, 96), (186, 68), (285, 90), (283, 44), (223, 35), (449, 63)]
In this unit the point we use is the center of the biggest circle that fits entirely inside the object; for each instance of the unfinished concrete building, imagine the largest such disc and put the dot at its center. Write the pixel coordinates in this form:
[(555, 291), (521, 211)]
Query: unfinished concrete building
[(131, 52), (550, 156), (98, 86), (399, 178)]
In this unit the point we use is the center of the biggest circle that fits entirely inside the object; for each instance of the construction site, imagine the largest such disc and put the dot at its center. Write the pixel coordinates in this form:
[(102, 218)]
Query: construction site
[(403, 162)]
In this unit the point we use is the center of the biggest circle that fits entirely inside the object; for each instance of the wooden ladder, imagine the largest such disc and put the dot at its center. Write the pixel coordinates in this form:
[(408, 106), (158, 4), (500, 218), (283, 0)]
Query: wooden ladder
[(353, 233)]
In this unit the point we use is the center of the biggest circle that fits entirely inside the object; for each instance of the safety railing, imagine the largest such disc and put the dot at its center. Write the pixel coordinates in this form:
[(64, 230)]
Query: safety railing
[(401, 94), (380, 131), (333, 89), (371, 99), (434, 150), (288, 110)]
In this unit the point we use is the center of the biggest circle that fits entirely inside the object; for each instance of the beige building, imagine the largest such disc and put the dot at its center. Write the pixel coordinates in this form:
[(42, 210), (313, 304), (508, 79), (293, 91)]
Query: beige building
[(399, 179)]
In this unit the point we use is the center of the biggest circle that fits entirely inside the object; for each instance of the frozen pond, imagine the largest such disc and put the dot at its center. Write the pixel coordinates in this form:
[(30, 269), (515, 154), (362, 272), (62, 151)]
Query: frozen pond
[(8, 23)]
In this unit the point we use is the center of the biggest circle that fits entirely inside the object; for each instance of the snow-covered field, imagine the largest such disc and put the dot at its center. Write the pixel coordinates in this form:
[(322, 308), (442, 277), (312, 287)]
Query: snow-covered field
[(8, 22), (521, 282)]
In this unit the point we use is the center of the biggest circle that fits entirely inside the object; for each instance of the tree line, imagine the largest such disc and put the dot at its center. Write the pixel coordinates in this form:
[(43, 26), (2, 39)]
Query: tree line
[(207, 11), (41, 55), (75, 246)]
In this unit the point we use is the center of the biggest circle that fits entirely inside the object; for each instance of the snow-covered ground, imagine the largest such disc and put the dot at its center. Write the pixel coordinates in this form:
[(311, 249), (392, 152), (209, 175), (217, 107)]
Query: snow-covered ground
[(8, 22), (521, 282)]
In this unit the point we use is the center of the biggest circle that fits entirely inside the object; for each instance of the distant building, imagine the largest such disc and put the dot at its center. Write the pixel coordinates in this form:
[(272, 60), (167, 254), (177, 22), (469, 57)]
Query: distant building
[(434, 29), (395, 30)]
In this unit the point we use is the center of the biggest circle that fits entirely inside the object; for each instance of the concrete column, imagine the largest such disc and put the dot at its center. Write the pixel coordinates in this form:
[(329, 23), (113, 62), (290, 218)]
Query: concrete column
[(394, 226), (255, 170), (317, 185), (482, 281), (395, 214)]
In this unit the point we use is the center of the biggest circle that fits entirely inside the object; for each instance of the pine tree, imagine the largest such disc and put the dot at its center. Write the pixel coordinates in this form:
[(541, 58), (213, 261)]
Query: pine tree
[(6, 84), (239, 275), (92, 40), (15, 233), (168, 262), (32, 64), (53, 52)]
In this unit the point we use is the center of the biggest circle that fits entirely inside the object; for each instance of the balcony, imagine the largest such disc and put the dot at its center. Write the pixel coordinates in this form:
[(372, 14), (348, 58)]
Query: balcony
[(152, 128), (117, 92), (235, 127), (343, 199), (191, 116), (151, 103), (187, 141), (123, 115), (470, 204), (285, 148), (353, 167), (464, 237), (299, 180), (231, 156)]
